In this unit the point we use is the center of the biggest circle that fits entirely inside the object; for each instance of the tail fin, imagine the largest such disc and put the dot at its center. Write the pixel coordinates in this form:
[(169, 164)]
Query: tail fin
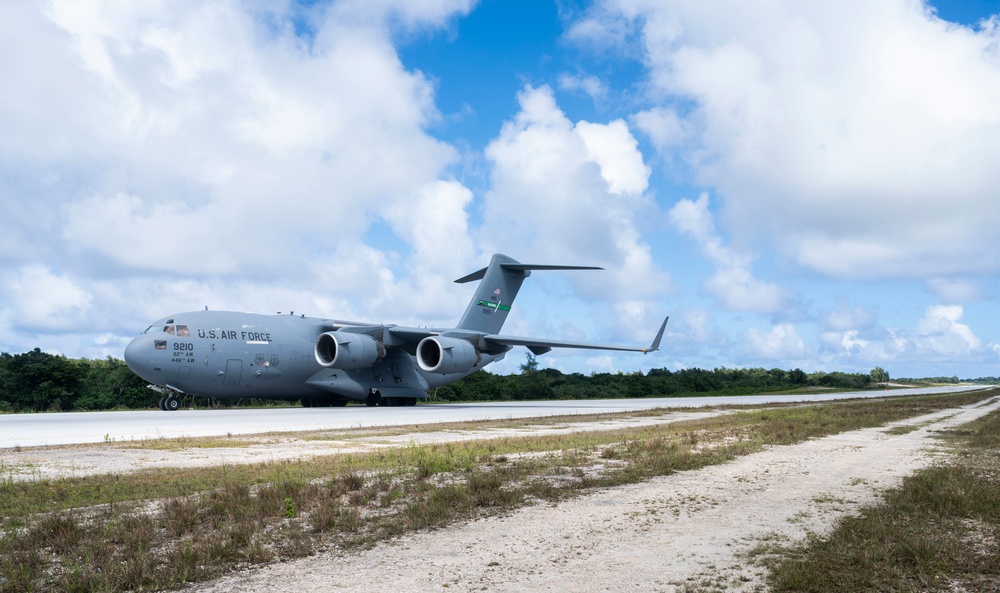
[(499, 284)]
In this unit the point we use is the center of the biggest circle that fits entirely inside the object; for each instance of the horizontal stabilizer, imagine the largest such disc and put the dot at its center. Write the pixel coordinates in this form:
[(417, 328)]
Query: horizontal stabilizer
[(516, 267)]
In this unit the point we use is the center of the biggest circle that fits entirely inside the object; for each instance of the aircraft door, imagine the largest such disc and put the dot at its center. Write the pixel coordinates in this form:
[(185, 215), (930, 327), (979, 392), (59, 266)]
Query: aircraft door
[(234, 370)]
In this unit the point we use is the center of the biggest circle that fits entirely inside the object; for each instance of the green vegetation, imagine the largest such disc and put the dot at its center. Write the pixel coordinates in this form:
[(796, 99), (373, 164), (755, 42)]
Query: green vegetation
[(534, 384), (36, 381), (163, 528), (878, 375), (937, 532)]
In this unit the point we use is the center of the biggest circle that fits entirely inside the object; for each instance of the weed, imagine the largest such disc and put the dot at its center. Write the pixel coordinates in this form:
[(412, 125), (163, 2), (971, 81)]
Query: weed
[(20, 572), (352, 481), (933, 525), (213, 520), (829, 499), (356, 498), (610, 453), (348, 519), (59, 532), (180, 516)]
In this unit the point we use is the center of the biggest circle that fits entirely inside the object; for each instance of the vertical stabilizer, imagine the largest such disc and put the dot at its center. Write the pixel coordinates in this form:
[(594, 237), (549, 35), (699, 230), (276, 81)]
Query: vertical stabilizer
[(499, 283), (490, 305)]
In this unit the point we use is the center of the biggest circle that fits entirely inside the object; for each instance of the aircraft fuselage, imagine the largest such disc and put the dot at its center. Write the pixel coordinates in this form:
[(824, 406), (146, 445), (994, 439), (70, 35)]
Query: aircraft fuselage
[(224, 354)]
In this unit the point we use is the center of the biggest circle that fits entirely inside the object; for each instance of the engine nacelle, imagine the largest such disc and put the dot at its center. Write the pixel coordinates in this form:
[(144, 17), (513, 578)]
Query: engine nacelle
[(437, 354), (346, 350)]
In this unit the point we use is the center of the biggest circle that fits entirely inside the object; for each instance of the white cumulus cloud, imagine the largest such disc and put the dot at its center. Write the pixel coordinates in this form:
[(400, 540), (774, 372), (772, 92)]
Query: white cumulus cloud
[(941, 333), (857, 138), (167, 156), (591, 85), (854, 338), (40, 298), (572, 193), (781, 343), (732, 284)]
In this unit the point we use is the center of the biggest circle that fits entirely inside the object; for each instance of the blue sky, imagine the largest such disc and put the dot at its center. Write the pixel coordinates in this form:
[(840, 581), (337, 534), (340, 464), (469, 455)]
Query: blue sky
[(807, 186)]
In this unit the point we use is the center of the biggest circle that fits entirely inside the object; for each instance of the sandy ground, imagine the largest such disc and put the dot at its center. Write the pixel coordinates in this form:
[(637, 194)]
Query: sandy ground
[(691, 528)]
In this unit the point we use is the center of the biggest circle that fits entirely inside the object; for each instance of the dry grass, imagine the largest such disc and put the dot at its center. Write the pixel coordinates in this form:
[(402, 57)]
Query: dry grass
[(939, 531), (160, 529), (181, 443)]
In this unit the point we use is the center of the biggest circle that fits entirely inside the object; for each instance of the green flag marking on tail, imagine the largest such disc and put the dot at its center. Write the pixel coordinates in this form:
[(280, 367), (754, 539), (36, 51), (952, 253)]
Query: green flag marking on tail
[(493, 305)]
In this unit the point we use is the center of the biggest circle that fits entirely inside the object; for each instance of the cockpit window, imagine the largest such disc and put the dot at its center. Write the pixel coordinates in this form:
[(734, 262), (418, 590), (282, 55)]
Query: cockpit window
[(178, 330)]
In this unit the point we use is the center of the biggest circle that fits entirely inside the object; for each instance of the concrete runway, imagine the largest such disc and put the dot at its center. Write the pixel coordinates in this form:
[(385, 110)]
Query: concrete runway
[(67, 428)]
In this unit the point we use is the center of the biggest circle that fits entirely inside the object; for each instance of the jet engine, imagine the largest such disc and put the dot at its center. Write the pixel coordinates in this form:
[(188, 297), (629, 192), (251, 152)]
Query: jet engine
[(346, 350), (437, 354)]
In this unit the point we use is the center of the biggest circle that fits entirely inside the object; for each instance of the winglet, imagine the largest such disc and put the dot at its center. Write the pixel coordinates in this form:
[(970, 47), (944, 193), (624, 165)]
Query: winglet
[(656, 341)]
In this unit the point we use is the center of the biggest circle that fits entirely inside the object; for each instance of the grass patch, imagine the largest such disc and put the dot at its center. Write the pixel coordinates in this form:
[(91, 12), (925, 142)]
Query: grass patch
[(938, 531), (162, 528), (181, 443)]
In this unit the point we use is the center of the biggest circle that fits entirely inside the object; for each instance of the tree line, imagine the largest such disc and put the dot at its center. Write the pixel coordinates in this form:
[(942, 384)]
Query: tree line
[(36, 381), (540, 384)]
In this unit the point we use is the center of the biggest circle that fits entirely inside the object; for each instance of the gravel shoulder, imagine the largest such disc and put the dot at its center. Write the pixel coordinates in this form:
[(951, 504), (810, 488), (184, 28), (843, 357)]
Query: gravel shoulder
[(71, 461), (691, 528)]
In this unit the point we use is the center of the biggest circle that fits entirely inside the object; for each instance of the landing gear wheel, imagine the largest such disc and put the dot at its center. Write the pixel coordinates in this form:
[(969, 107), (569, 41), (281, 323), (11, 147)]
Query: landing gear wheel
[(307, 402), (172, 404), (373, 398), (162, 400), (410, 401)]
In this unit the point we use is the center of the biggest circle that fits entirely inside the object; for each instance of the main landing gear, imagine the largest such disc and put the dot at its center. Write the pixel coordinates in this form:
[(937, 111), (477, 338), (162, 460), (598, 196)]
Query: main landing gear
[(312, 402), (170, 403), (375, 399)]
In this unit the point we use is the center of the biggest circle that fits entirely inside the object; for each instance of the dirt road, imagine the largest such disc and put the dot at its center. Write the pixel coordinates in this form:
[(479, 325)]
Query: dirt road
[(688, 528)]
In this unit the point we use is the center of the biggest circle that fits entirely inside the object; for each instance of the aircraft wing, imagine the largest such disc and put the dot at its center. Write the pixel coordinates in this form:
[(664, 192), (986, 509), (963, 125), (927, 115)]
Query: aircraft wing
[(413, 334), (536, 345), (540, 346)]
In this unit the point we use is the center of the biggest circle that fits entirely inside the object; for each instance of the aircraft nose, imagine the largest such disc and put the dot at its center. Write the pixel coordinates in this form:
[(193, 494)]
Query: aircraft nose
[(134, 355)]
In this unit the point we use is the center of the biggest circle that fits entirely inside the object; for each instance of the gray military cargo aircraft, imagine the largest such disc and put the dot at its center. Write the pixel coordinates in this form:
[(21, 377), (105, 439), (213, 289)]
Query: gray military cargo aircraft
[(324, 362)]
